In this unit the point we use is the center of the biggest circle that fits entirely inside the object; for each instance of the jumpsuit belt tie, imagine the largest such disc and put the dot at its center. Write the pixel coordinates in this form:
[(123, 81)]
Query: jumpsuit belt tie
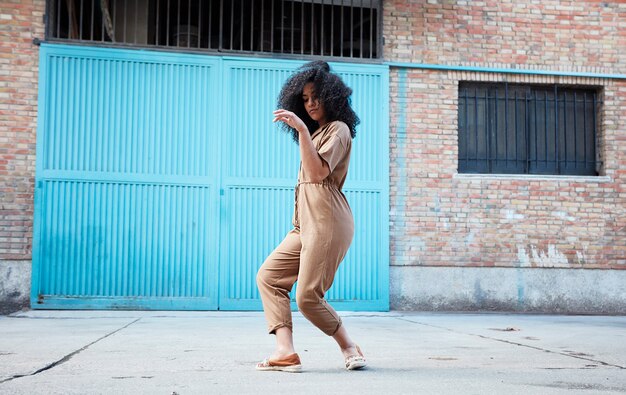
[(324, 182)]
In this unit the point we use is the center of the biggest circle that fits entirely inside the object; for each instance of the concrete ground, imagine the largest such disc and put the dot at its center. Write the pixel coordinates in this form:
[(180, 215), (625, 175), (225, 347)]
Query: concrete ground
[(166, 352)]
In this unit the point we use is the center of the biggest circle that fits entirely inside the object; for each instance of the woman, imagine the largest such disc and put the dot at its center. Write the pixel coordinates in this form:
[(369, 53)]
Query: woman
[(314, 106)]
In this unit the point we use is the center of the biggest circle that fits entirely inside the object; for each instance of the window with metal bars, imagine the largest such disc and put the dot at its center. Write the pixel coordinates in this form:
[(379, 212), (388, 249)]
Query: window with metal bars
[(334, 28), (522, 129)]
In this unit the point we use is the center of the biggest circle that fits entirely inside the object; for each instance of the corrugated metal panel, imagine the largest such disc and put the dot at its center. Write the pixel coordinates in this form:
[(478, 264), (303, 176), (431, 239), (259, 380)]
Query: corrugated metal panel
[(127, 116), (262, 171), (359, 274), (258, 181), (367, 156), (125, 240), (127, 198), (252, 209), (155, 169), (256, 149)]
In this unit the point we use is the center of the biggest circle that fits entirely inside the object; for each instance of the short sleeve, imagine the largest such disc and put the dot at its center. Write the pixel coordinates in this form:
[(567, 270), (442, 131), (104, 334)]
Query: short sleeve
[(333, 148)]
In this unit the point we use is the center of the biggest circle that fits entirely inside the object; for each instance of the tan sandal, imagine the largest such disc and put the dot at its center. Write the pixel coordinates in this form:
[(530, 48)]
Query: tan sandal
[(355, 362), (291, 363)]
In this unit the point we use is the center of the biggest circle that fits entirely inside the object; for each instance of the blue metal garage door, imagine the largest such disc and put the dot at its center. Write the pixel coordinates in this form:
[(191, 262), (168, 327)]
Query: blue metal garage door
[(161, 182), (261, 170)]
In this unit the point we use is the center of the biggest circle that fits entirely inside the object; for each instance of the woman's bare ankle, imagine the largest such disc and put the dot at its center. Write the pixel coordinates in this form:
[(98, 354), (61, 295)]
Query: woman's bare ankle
[(348, 346), (282, 352), (349, 351), (284, 343)]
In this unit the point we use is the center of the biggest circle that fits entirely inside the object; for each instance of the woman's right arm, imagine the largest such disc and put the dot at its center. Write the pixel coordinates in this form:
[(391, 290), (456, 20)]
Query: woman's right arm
[(314, 166)]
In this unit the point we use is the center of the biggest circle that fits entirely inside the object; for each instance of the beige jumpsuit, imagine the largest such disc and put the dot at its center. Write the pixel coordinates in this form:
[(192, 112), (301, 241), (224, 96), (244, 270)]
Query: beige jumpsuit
[(313, 250)]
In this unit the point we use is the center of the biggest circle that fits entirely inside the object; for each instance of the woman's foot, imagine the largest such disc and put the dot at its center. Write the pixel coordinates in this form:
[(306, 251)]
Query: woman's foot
[(290, 363), (353, 357), (284, 357)]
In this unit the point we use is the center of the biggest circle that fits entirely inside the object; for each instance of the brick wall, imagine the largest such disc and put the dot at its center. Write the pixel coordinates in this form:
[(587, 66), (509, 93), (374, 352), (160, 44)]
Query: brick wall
[(440, 218), (20, 22), (556, 35)]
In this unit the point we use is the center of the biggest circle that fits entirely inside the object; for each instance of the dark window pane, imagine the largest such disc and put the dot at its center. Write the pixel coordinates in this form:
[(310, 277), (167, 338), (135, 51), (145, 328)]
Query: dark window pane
[(342, 28), (518, 129)]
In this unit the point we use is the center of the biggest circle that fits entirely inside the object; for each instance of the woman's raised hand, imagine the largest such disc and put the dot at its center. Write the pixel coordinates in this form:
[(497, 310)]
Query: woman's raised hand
[(290, 119)]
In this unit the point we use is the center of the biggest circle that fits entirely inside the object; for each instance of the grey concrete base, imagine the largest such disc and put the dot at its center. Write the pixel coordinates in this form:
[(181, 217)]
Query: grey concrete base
[(571, 291), (14, 285)]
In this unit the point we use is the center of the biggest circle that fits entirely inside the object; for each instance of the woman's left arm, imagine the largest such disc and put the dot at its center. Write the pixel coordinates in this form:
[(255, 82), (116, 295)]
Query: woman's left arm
[(314, 166)]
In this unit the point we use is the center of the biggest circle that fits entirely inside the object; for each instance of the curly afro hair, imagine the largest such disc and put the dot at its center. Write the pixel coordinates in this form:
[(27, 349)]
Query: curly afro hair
[(332, 92)]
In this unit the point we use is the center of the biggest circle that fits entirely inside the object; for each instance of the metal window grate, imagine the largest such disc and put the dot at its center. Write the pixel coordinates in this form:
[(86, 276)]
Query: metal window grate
[(521, 129), (335, 28)]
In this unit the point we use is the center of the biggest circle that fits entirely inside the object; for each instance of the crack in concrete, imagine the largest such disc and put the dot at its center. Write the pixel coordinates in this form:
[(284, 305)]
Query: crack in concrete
[(514, 343), (68, 356)]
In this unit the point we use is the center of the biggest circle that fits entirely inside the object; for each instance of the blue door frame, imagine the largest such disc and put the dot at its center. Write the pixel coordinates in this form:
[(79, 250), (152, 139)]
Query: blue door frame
[(154, 192)]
